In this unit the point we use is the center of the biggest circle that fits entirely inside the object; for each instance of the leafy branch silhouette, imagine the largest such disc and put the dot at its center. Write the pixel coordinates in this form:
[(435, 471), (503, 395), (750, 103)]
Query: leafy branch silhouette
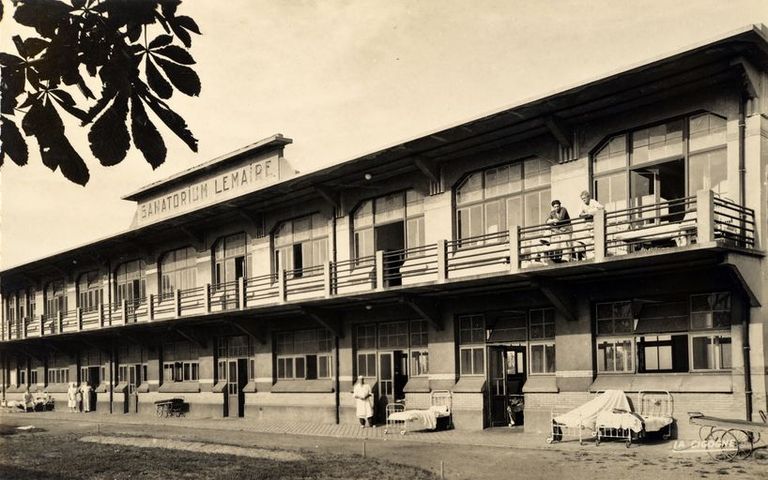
[(82, 41)]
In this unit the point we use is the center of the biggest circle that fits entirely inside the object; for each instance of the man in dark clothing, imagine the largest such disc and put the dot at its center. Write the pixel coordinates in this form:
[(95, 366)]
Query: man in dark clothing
[(560, 222), (559, 218)]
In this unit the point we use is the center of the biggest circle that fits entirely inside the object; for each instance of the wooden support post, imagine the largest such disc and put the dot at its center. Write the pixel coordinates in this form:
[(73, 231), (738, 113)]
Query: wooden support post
[(101, 315), (514, 248), (177, 303), (79, 319), (327, 280), (151, 307), (125, 311), (598, 229), (60, 322), (207, 298), (241, 293), (705, 216), (281, 285), (442, 261), (379, 270)]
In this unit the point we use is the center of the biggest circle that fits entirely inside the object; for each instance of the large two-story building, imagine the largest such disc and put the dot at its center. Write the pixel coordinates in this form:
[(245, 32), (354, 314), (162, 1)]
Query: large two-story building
[(254, 292)]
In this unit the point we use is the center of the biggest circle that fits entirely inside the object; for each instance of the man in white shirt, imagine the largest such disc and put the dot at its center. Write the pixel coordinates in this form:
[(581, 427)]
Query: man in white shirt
[(589, 206)]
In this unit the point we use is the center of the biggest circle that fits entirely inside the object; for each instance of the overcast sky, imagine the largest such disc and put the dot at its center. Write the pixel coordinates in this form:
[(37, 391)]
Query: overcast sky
[(345, 78)]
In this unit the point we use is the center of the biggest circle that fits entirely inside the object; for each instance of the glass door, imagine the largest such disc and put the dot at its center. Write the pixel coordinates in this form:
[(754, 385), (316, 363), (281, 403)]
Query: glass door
[(386, 383)]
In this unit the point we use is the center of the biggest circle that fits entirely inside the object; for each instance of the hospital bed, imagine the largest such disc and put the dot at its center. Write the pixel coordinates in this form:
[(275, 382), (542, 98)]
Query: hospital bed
[(437, 416)]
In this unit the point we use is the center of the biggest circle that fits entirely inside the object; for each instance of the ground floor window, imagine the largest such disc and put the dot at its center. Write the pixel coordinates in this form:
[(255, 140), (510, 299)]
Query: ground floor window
[(472, 360), (58, 375), (33, 377), (304, 355), (543, 358), (614, 355), (181, 371), (711, 352), (366, 364), (419, 363), (662, 353)]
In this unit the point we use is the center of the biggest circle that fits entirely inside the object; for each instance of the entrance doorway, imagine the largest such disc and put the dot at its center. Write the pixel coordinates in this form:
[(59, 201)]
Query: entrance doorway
[(237, 378), (133, 379), (506, 377), (392, 377), (390, 238), (92, 376)]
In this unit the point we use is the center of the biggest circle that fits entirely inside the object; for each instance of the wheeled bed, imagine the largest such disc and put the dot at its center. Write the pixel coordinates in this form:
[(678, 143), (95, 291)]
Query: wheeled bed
[(437, 416)]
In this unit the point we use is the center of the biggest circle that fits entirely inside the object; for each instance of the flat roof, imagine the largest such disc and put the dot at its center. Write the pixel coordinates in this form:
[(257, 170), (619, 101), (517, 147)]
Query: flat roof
[(703, 61)]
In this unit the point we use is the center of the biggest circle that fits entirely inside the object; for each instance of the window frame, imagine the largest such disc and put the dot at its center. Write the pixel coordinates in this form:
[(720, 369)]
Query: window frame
[(615, 340), (686, 153), (177, 276), (503, 199), (718, 360), (547, 368)]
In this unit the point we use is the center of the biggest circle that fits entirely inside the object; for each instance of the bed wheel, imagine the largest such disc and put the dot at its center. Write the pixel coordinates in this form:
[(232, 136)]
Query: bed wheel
[(386, 431), (549, 440), (402, 432)]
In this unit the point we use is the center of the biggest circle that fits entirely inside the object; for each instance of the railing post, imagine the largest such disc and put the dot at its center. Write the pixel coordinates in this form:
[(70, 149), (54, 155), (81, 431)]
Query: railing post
[(281, 285), (598, 229), (125, 312), (207, 298), (151, 307), (442, 261), (705, 216), (241, 293), (327, 280), (79, 319), (514, 248), (60, 322), (176, 303), (40, 331), (379, 269), (101, 315)]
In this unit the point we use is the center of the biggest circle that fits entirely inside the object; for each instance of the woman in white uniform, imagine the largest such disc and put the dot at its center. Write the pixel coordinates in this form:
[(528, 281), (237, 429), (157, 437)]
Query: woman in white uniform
[(364, 402), (72, 397)]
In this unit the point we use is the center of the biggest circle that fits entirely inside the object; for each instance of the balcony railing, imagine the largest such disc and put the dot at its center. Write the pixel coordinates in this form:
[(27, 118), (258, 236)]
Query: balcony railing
[(703, 219)]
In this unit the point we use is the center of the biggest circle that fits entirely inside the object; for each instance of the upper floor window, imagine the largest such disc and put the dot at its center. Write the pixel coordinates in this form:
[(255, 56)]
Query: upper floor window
[(229, 258), (301, 243), (495, 199), (389, 223), (55, 298), (130, 282), (664, 162), (178, 271), (711, 311), (89, 292)]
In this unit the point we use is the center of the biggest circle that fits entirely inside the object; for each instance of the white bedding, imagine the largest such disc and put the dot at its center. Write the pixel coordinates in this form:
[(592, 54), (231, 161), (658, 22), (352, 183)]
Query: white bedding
[(654, 423), (585, 416), (421, 419), (623, 420)]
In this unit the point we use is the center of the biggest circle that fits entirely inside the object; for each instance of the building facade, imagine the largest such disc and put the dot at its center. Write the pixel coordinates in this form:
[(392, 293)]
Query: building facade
[(254, 292)]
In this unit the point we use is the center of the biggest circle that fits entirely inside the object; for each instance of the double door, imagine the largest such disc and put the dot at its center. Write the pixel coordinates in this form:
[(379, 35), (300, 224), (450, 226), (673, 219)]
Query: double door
[(506, 376), (237, 378), (133, 380), (392, 377)]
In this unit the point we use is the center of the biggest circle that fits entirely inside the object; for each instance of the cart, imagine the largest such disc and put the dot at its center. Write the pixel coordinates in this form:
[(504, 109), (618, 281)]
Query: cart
[(172, 407), (726, 439)]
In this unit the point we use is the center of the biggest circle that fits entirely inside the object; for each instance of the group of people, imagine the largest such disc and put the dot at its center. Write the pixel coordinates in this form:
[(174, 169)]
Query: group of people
[(560, 221), (39, 402), (79, 399)]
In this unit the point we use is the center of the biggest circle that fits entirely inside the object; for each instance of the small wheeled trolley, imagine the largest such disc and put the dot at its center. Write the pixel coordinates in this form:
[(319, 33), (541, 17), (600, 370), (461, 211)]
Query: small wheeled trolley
[(727, 439), (172, 407)]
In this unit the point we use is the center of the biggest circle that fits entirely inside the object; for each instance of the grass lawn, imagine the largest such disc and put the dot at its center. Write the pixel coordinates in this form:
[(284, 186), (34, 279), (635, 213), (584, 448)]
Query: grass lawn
[(44, 455)]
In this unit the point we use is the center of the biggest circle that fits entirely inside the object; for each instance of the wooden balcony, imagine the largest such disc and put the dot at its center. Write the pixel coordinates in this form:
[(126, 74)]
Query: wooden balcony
[(695, 223)]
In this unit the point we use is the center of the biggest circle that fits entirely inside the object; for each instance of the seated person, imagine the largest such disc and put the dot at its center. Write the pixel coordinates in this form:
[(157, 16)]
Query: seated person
[(27, 401)]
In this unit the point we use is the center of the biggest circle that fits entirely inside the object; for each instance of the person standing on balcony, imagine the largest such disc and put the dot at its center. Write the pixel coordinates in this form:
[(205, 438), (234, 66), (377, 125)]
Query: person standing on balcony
[(363, 401), (589, 206), (560, 222)]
